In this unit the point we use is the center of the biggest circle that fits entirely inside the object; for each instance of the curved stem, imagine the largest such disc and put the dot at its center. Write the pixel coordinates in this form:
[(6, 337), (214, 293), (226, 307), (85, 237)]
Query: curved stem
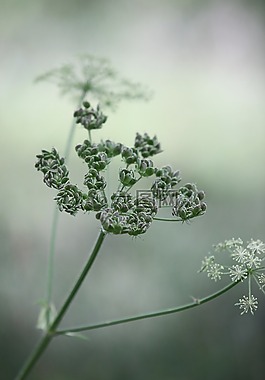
[(51, 331), (191, 305)]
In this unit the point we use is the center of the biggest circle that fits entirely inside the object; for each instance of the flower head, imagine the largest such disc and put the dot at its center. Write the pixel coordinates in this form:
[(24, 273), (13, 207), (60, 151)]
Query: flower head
[(215, 271), (239, 254), (238, 273), (249, 258), (247, 304), (256, 246)]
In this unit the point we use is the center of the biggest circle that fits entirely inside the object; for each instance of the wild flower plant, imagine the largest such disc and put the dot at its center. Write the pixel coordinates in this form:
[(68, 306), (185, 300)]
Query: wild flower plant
[(125, 211)]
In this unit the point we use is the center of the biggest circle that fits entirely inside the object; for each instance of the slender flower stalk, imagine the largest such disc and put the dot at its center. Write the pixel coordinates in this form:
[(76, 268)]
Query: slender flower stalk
[(159, 313), (54, 223)]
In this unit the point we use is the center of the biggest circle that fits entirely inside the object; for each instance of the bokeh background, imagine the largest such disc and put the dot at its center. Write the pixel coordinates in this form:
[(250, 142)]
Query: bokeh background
[(204, 61)]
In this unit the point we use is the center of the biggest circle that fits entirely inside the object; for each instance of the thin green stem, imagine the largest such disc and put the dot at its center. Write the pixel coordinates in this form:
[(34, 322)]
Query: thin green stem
[(51, 262), (167, 219), (174, 219), (40, 348), (249, 287), (159, 313), (257, 282), (55, 218), (78, 283), (129, 188), (89, 136), (72, 129)]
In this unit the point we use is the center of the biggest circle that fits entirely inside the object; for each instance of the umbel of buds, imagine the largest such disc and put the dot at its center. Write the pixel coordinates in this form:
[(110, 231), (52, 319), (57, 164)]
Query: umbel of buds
[(53, 167), (189, 202), (147, 146), (90, 118), (123, 213), (132, 217)]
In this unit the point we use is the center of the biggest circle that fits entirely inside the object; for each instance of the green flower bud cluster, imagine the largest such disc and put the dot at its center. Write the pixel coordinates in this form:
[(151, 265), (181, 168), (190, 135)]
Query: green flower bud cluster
[(146, 205), (130, 155), (111, 148), (121, 201), (145, 167), (70, 199), (124, 213), (165, 182), (128, 216), (189, 202), (92, 155), (93, 180), (89, 117), (147, 146), (108, 147), (127, 177), (95, 200), (53, 167)]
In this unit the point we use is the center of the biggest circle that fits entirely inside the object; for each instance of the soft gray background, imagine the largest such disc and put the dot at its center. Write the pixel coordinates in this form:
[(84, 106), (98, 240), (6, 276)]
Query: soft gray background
[(204, 61)]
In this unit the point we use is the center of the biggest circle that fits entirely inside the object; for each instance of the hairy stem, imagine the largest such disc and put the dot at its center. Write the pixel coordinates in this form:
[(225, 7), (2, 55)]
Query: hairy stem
[(40, 348), (159, 313)]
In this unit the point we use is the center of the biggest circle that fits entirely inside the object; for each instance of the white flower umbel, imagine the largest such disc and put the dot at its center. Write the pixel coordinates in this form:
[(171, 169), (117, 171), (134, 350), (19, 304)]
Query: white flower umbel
[(206, 263), (252, 261), (247, 304), (256, 246), (238, 273), (239, 254), (249, 266), (215, 271), (261, 280), (228, 244)]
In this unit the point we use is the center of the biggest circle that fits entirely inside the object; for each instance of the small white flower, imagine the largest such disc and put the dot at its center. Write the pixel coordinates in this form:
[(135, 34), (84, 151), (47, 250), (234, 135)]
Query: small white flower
[(252, 261), (208, 260), (239, 254), (215, 271), (247, 304), (238, 273), (233, 243), (261, 279), (256, 246), (228, 244)]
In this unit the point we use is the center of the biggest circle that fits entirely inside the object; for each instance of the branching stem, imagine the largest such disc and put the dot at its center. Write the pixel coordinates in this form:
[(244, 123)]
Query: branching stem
[(159, 313)]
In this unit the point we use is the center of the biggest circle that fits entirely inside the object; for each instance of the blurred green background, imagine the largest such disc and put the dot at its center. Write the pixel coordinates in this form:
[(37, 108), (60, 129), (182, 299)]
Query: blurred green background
[(204, 60)]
